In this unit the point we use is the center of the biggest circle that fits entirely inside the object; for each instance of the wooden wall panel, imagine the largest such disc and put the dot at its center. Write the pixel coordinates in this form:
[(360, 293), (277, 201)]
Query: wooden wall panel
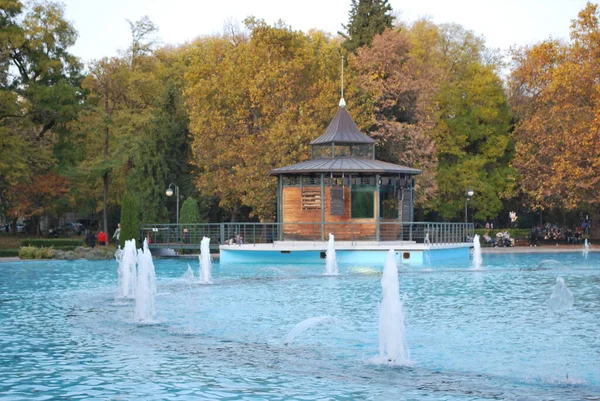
[(294, 213)]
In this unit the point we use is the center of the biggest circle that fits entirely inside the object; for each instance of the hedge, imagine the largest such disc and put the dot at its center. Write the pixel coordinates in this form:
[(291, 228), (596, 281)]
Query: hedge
[(8, 253), (58, 243)]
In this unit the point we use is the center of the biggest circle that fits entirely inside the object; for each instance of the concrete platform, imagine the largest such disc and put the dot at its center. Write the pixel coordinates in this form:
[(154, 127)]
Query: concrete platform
[(346, 252)]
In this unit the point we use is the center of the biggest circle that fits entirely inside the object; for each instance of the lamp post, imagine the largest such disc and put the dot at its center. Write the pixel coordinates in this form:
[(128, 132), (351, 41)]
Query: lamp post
[(169, 192), (468, 194)]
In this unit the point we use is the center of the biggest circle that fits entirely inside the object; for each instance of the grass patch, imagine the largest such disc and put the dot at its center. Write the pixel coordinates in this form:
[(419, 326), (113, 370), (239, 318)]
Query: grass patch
[(10, 241)]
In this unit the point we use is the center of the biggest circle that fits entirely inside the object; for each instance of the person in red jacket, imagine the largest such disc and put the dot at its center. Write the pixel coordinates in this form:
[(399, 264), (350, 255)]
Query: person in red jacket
[(101, 238)]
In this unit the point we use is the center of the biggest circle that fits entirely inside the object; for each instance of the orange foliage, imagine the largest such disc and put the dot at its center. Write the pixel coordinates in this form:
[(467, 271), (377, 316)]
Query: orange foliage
[(44, 194), (556, 93)]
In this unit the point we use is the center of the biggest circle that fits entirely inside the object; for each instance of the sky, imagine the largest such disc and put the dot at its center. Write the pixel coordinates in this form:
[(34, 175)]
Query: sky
[(103, 28)]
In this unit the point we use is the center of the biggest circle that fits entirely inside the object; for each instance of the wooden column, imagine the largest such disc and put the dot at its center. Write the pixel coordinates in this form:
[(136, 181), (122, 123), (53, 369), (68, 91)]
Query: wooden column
[(377, 211), (280, 207), (322, 207)]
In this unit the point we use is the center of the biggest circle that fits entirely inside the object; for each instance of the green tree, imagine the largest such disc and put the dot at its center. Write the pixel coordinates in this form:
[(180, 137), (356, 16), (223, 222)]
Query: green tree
[(122, 93), (161, 156), (40, 93), (472, 129), (190, 212), (130, 220), (366, 19)]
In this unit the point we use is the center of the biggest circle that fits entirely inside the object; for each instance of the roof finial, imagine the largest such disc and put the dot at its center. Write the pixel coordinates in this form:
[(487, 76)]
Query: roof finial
[(342, 101)]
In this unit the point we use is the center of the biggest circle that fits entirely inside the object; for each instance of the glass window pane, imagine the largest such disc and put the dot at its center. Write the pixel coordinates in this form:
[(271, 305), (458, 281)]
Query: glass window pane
[(362, 200)]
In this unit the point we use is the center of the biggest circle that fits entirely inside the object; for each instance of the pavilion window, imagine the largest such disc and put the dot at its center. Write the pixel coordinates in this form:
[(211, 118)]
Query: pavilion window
[(388, 199), (336, 201), (362, 198)]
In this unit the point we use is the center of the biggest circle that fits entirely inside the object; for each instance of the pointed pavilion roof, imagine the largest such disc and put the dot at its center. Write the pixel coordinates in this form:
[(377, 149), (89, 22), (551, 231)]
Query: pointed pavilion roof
[(342, 129), (345, 165)]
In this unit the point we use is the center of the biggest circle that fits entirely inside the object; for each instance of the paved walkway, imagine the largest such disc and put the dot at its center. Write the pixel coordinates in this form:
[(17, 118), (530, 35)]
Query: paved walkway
[(10, 259), (538, 249)]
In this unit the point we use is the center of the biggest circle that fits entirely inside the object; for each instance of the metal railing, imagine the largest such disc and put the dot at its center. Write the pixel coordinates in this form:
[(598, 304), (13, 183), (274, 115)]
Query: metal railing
[(189, 235)]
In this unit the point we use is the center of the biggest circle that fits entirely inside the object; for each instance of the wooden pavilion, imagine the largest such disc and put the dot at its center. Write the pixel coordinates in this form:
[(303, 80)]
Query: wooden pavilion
[(343, 189)]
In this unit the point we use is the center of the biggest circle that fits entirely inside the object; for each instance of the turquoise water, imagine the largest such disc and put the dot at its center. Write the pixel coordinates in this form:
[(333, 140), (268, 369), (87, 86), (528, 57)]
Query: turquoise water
[(473, 335)]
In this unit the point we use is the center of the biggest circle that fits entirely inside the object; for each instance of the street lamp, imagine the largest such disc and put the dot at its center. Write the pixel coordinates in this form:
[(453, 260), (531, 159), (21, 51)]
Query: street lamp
[(468, 194), (169, 192)]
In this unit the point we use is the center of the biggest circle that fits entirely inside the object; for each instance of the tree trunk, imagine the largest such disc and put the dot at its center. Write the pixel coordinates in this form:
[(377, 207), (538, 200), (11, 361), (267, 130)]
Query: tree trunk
[(105, 201), (235, 213), (105, 177)]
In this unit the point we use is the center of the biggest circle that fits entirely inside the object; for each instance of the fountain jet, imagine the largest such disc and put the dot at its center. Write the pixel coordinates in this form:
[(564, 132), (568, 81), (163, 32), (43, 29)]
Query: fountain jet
[(586, 249), (477, 260), (561, 297), (205, 262), (392, 341), (145, 291), (189, 275), (331, 268), (127, 259)]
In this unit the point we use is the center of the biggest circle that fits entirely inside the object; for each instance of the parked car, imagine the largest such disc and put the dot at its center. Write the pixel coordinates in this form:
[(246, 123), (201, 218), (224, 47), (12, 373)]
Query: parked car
[(20, 227), (70, 229)]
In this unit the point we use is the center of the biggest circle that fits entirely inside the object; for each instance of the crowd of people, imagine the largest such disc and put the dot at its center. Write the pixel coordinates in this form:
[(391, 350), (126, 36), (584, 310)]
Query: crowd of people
[(552, 232), (101, 239), (502, 238)]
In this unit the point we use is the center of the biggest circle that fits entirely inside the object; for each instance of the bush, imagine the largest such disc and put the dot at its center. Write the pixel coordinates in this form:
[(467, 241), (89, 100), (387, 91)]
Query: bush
[(31, 252), (98, 253)]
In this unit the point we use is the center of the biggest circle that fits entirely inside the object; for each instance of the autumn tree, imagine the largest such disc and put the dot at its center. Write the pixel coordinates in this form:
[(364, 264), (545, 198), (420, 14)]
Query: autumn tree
[(254, 105), (45, 194), (395, 100), (556, 94), (366, 19)]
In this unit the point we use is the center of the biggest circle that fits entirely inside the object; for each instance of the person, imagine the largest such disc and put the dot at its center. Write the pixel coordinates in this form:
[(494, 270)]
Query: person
[(117, 234), (489, 240), (569, 235), (52, 233), (487, 225), (186, 236), (90, 239), (101, 238), (534, 237)]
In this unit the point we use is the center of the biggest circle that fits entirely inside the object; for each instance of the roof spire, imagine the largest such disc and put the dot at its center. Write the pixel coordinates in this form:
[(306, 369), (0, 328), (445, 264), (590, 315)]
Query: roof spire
[(342, 101)]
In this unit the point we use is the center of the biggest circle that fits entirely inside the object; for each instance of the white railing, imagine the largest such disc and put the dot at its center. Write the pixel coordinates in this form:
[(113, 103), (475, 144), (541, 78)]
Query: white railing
[(190, 235)]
